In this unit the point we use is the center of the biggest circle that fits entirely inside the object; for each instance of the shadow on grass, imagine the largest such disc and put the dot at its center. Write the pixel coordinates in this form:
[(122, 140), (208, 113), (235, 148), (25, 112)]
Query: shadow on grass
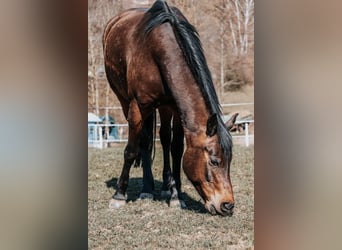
[(134, 189)]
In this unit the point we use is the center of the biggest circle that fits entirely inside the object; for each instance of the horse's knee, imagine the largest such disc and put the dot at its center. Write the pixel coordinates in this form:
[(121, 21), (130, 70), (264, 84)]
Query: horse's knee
[(131, 153)]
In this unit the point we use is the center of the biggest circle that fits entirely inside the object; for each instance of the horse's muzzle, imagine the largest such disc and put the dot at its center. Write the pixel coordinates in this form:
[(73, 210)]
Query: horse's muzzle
[(227, 208)]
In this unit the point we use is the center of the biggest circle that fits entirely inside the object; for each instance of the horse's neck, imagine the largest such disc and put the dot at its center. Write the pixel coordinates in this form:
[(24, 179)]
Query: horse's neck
[(192, 107), (194, 116), (176, 73), (189, 100)]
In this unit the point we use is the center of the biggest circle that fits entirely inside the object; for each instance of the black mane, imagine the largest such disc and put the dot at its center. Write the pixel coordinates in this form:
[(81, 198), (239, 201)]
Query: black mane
[(190, 44)]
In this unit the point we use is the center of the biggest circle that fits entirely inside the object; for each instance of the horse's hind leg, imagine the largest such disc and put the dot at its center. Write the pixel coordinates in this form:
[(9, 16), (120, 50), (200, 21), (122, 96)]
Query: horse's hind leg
[(131, 151), (146, 144)]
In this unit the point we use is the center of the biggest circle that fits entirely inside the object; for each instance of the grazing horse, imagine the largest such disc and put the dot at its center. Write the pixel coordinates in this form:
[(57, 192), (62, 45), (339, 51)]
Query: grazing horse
[(154, 60)]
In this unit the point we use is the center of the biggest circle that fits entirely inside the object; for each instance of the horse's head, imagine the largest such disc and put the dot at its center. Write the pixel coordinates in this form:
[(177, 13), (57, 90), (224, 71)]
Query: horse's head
[(208, 166)]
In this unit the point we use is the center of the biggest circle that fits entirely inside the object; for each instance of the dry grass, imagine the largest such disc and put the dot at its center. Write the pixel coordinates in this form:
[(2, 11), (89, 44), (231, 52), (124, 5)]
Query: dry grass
[(146, 224)]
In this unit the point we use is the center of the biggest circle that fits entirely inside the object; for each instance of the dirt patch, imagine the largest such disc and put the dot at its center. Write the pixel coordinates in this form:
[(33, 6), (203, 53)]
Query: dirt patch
[(146, 224)]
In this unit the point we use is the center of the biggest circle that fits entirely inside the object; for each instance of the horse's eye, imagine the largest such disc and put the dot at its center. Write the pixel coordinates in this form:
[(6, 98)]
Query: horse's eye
[(214, 162)]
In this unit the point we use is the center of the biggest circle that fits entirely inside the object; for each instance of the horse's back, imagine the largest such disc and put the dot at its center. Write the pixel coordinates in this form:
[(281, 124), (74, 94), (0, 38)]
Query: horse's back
[(118, 33), (130, 65), (123, 19)]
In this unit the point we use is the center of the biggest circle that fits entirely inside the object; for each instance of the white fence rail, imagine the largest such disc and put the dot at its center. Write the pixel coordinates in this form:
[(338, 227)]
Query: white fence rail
[(99, 137)]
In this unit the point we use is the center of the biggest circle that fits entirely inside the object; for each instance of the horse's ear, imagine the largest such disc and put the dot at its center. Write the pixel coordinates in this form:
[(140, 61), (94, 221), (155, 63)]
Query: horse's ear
[(212, 125), (231, 121)]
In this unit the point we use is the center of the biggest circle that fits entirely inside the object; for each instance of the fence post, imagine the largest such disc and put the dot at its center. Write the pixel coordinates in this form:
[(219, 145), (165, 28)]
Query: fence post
[(100, 137), (246, 135)]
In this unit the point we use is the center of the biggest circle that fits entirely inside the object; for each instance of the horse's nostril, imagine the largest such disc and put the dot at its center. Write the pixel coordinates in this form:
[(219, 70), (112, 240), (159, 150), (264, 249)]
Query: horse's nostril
[(226, 206)]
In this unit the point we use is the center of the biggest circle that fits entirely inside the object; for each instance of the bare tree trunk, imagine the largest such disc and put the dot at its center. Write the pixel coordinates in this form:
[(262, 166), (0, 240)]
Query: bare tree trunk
[(237, 13), (239, 24), (96, 96), (92, 93), (93, 75), (232, 29), (233, 37), (222, 62), (249, 4), (107, 117)]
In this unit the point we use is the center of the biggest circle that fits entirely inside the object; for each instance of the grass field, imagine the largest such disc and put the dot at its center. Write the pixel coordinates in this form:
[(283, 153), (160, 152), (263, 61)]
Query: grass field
[(147, 224)]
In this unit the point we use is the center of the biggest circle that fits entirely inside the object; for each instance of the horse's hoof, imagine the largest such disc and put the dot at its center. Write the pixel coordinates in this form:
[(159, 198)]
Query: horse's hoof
[(165, 194), (182, 204), (115, 204), (143, 196), (177, 203)]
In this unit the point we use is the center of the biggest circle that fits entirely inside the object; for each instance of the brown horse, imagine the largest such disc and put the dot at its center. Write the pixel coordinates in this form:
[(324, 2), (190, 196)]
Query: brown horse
[(154, 60)]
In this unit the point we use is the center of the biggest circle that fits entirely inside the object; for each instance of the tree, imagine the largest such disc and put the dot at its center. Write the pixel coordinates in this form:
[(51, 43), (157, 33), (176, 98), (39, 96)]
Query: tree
[(241, 23), (98, 15)]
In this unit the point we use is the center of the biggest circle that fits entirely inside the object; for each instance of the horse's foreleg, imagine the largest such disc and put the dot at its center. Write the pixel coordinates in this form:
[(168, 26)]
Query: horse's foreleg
[(134, 119), (171, 181), (165, 139), (177, 148)]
